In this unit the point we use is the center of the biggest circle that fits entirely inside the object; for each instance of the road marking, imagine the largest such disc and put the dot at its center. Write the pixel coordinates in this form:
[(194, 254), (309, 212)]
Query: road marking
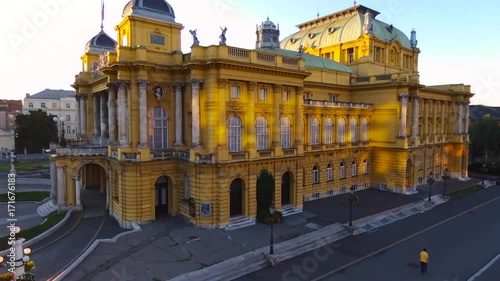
[(484, 268), (403, 240)]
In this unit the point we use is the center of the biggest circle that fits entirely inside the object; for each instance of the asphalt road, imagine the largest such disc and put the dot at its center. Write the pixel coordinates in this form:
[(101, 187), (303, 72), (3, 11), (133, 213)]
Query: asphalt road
[(458, 248)]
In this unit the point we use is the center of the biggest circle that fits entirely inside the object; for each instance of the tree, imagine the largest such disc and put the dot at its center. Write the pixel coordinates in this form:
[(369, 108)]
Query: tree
[(35, 131), (265, 197), (484, 136)]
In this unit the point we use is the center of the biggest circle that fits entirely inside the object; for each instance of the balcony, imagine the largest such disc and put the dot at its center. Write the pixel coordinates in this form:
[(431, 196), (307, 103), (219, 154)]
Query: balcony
[(338, 104), (82, 151)]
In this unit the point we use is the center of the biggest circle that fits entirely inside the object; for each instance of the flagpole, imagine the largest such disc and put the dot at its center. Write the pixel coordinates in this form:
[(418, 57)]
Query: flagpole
[(102, 14)]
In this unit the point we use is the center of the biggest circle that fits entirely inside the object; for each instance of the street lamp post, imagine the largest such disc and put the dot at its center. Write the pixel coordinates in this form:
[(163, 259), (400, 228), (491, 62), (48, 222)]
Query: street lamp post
[(271, 245), (12, 161), (446, 176), (62, 140), (430, 181), (352, 198)]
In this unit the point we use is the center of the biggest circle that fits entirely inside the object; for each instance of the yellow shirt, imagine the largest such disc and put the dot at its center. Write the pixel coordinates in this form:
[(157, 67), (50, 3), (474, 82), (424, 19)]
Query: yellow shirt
[(424, 257)]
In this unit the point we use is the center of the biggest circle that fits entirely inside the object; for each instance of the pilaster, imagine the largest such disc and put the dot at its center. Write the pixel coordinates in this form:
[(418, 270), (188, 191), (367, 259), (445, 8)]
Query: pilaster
[(122, 111), (178, 114), (250, 120)]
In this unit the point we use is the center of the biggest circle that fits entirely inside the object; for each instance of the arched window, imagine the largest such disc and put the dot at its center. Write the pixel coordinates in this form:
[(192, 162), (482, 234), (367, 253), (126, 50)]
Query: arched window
[(341, 131), (187, 188), (354, 168), (261, 133), (315, 174), (68, 130), (365, 166), (354, 130), (342, 170), (234, 134), (329, 172), (285, 132), (364, 129), (314, 127), (160, 128), (328, 131)]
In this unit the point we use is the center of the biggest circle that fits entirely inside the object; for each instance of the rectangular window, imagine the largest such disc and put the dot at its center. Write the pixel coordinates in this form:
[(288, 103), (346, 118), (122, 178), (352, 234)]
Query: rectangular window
[(329, 173), (235, 92), (379, 55), (343, 189), (286, 96), (315, 176), (330, 192), (30, 104), (326, 55), (263, 94), (350, 55), (157, 39), (68, 105), (68, 117), (316, 194), (54, 105), (42, 105), (333, 98)]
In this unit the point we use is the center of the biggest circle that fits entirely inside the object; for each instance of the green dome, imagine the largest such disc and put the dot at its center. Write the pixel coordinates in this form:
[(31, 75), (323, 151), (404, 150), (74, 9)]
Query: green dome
[(343, 28), (311, 61)]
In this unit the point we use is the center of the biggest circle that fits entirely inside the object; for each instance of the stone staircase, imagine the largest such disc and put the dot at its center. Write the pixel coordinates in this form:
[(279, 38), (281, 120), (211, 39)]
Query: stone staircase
[(288, 210), (46, 208), (239, 222)]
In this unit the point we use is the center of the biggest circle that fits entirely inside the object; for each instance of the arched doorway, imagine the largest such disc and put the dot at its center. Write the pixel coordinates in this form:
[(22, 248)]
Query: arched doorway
[(162, 196), (286, 188), (236, 198), (93, 182), (409, 173)]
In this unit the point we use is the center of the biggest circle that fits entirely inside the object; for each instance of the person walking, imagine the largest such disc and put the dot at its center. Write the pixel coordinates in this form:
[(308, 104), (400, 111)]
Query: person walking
[(424, 259)]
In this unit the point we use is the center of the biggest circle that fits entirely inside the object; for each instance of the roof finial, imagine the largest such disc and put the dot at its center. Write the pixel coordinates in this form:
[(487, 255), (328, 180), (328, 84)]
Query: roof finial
[(354, 2), (102, 15), (317, 9)]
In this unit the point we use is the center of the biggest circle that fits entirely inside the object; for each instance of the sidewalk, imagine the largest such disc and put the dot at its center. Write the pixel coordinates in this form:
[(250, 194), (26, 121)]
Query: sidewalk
[(169, 248)]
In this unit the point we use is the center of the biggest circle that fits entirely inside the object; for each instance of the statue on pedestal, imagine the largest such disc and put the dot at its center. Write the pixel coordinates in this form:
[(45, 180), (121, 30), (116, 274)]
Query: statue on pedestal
[(222, 37), (196, 42)]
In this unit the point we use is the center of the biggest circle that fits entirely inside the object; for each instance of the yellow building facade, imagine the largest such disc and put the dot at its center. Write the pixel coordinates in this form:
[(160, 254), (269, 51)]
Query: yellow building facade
[(336, 106)]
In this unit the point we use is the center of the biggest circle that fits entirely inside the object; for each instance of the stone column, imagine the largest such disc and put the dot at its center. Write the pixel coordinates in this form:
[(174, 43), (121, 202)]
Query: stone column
[(77, 191), (414, 125), (178, 114), (460, 117), (97, 119), (276, 116), (112, 112), (122, 111), (143, 112), (53, 180), (402, 121), (83, 116), (299, 117), (61, 187), (250, 117), (195, 111), (78, 123), (103, 116), (466, 129)]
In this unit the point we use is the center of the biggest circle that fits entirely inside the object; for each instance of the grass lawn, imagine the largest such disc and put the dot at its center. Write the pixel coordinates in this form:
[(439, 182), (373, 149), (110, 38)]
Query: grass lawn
[(24, 165), (26, 196), (464, 192), (34, 231)]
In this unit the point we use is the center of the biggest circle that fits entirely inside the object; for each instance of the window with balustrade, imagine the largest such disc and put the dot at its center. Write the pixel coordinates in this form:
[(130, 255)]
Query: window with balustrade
[(262, 135), (285, 132), (328, 131), (314, 130), (354, 130), (341, 131), (234, 125), (160, 128)]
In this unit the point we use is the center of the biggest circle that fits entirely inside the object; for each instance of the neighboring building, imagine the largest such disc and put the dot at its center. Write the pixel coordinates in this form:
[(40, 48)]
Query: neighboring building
[(336, 106), (8, 112), (6, 142), (60, 103)]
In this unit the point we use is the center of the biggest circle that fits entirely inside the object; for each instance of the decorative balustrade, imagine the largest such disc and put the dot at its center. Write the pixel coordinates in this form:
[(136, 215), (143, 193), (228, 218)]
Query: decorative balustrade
[(170, 154), (265, 153), (290, 61), (288, 151), (131, 156), (82, 151), (266, 57), (337, 104), (238, 155), (236, 52)]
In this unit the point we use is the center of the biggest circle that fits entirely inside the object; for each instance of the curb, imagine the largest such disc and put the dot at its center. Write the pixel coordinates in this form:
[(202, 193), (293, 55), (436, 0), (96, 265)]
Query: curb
[(44, 234), (91, 248)]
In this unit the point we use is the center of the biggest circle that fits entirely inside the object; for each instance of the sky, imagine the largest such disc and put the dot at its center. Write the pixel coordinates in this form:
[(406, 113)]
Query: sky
[(43, 40)]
